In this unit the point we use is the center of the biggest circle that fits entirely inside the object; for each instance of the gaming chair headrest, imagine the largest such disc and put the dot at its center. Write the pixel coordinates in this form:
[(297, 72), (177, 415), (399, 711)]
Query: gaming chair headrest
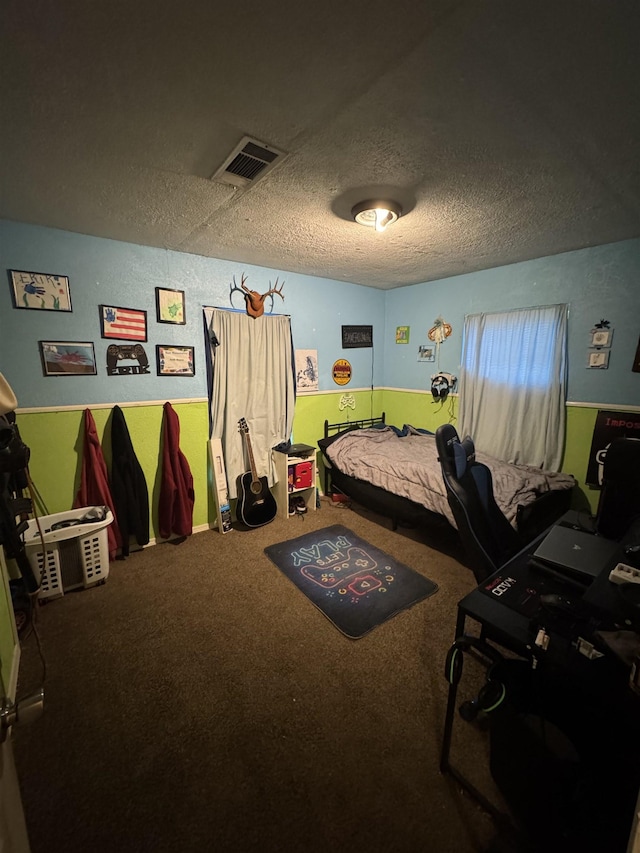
[(455, 455)]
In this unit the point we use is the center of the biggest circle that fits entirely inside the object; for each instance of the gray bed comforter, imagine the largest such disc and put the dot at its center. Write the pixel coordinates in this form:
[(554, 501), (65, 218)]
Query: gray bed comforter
[(408, 466)]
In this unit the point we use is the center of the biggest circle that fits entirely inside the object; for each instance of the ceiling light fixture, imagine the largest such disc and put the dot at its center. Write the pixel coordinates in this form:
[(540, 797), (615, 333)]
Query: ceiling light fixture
[(377, 214)]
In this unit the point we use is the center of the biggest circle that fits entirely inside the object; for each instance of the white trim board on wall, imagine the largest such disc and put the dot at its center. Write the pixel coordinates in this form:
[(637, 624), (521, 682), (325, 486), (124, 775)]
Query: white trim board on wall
[(136, 404), (609, 407)]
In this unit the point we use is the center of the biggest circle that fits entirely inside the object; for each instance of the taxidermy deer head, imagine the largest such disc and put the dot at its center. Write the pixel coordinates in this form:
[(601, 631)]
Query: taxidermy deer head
[(255, 300)]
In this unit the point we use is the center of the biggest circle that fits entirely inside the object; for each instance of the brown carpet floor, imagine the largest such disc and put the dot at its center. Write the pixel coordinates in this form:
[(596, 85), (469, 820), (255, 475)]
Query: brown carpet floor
[(197, 701)]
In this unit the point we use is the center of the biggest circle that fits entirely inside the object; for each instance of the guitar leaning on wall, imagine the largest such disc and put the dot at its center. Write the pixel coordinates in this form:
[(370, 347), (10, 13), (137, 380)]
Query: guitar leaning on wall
[(256, 505)]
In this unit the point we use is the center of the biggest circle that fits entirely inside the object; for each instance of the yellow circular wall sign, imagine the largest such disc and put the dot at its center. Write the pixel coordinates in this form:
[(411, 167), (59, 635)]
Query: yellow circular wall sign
[(341, 372)]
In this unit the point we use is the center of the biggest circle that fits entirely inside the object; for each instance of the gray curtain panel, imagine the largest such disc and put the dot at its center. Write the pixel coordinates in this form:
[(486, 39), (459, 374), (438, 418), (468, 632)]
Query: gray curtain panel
[(252, 379), (513, 384)]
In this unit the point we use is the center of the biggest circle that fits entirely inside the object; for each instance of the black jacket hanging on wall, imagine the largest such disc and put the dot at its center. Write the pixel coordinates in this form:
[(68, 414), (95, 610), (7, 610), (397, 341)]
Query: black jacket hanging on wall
[(128, 485)]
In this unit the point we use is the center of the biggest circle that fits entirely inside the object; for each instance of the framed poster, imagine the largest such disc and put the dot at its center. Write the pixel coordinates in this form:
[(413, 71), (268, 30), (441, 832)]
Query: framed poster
[(170, 306), (175, 361), (125, 324), (68, 358), (40, 290), (306, 370)]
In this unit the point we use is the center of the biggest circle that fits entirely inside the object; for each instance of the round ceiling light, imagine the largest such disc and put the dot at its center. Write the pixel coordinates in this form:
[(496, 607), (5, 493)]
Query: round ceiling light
[(377, 214)]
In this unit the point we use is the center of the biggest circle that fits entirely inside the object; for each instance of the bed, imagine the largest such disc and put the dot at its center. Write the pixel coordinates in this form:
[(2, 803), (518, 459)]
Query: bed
[(396, 473)]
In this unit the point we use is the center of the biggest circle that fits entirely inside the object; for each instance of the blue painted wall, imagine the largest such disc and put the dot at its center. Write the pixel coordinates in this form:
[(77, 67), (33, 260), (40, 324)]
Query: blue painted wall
[(122, 274), (600, 282)]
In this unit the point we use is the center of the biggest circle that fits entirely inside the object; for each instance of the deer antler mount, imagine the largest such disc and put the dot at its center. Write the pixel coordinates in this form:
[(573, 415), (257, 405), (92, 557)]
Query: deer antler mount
[(254, 300)]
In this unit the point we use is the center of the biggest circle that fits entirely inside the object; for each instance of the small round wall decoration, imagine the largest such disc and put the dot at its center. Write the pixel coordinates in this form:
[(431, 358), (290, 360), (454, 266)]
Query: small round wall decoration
[(341, 371)]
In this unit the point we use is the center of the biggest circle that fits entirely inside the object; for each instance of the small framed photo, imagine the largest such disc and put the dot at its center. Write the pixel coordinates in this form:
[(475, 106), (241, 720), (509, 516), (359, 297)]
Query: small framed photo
[(40, 290), (170, 306), (601, 337), (125, 324), (68, 358), (426, 353), (175, 361), (598, 358)]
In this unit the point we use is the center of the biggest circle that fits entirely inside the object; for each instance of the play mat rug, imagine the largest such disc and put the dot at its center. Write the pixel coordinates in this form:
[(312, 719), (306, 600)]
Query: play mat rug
[(354, 584)]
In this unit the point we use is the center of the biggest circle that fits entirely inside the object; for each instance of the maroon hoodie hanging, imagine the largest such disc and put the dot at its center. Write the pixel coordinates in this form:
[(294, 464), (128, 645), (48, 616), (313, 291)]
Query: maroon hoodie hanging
[(94, 483), (175, 508)]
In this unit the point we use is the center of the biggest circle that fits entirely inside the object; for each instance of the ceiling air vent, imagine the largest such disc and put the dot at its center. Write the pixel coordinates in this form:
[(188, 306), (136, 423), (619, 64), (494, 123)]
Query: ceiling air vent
[(248, 161)]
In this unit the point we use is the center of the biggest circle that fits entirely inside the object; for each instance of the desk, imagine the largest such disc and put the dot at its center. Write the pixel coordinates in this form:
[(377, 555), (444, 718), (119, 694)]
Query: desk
[(506, 607)]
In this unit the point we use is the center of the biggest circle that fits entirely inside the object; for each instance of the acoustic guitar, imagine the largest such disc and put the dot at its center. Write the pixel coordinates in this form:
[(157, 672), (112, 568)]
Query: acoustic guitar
[(256, 505)]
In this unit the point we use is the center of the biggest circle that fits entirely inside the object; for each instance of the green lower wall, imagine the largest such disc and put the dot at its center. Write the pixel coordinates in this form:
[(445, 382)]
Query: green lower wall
[(419, 409), (313, 409), (580, 424), (55, 440)]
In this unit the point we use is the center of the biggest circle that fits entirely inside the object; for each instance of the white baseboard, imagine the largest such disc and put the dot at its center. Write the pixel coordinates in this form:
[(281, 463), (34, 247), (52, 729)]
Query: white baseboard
[(199, 528)]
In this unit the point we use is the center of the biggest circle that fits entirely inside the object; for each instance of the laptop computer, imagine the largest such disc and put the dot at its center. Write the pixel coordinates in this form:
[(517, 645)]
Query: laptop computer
[(576, 552)]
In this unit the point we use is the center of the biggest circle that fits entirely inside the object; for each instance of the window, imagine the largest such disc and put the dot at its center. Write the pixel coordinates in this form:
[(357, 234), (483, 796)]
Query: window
[(513, 384)]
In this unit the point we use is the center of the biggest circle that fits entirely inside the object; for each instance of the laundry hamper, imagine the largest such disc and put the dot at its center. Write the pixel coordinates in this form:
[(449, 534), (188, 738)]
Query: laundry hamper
[(75, 556)]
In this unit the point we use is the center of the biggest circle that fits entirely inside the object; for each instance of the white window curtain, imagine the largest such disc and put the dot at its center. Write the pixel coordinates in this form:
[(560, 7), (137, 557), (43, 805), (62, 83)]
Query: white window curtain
[(513, 384), (252, 378)]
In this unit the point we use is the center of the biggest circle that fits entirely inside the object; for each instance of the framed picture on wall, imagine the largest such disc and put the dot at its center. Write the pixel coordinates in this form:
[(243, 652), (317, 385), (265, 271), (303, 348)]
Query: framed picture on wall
[(598, 358), (402, 334), (68, 358), (170, 306), (426, 353), (175, 361), (40, 290), (601, 337), (125, 324)]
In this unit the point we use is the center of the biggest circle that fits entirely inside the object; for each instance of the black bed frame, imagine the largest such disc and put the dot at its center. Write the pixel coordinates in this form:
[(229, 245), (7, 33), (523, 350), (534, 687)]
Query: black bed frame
[(331, 429), (398, 509), (531, 520)]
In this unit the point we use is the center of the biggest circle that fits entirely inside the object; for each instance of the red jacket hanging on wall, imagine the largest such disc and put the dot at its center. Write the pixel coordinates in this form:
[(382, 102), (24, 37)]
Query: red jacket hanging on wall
[(94, 483), (175, 509)]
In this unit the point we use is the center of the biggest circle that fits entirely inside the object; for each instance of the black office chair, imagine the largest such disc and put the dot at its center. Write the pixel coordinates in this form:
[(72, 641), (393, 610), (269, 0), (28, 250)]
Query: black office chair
[(488, 538), (619, 504)]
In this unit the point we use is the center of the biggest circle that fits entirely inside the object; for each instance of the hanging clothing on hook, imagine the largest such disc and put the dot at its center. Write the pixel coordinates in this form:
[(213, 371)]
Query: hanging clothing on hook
[(128, 485), (94, 481), (175, 508)]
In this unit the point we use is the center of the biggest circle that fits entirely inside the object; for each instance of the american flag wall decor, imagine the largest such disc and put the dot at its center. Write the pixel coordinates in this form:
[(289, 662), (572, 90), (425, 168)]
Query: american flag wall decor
[(126, 324)]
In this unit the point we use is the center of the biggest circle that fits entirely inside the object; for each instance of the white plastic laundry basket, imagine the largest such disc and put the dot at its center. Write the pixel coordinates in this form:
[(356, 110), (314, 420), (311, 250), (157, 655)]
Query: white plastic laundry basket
[(74, 557)]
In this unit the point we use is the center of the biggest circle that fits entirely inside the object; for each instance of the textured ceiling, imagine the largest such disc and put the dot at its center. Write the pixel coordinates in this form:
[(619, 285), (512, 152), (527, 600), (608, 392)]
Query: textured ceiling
[(507, 130)]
